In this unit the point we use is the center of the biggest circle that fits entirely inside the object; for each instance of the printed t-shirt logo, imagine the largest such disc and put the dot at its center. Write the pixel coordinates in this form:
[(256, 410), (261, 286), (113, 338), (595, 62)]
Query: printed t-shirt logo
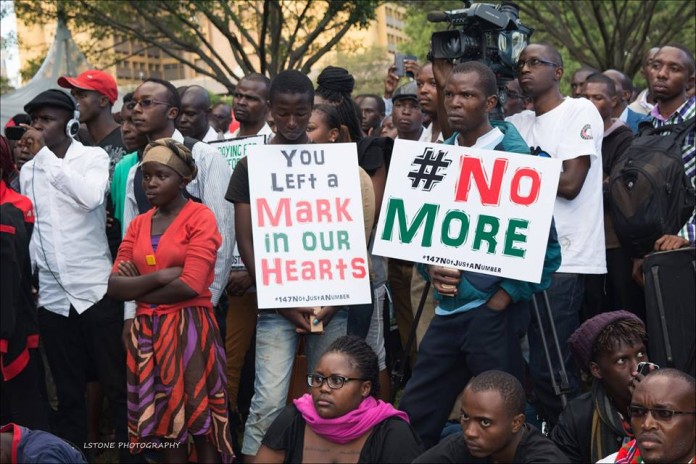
[(586, 132)]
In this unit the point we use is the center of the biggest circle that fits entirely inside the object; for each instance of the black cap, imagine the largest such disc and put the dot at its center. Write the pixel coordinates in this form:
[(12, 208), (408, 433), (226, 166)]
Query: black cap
[(53, 98), (408, 90)]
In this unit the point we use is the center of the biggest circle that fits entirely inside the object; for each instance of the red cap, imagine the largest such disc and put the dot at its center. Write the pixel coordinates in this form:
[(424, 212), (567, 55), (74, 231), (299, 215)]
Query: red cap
[(92, 79)]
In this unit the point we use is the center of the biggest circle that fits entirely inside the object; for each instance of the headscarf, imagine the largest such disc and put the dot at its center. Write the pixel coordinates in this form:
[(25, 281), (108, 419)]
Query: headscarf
[(173, 154)]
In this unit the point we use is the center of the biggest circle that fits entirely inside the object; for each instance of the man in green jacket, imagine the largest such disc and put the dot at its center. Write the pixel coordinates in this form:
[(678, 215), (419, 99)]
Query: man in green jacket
[(478, 323)]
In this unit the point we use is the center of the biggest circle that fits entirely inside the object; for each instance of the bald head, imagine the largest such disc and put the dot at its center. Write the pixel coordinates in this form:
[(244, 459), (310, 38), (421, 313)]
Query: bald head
[(196, 95), (195, 107)]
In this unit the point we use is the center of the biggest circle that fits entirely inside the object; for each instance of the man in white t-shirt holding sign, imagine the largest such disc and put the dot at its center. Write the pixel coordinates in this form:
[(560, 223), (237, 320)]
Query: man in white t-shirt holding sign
[(571, 130)]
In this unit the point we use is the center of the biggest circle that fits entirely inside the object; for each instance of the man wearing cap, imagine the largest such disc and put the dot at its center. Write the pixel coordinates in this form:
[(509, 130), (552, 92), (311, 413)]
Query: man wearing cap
[(608, 347), (96, 92), (67, 183)]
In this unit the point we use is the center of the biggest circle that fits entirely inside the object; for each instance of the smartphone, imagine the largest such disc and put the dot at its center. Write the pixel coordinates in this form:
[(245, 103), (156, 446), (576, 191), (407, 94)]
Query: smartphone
[(15, 132), (399, 60), (645, 368)]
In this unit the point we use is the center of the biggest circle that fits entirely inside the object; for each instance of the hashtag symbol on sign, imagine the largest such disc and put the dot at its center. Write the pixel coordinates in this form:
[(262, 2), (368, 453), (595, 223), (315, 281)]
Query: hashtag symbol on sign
[(429, 166)]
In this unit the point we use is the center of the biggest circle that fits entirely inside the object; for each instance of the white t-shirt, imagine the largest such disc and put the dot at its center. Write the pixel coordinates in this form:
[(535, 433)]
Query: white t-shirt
[(574, 128)]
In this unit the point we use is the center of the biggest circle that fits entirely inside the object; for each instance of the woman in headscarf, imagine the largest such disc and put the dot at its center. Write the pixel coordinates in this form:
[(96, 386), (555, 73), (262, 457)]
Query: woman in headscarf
[(175, 357)]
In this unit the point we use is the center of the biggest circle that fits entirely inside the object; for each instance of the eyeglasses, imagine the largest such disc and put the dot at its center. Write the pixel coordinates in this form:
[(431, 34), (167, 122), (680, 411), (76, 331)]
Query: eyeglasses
[(534, 63), (334, 382), (148, 102), (639, 412)]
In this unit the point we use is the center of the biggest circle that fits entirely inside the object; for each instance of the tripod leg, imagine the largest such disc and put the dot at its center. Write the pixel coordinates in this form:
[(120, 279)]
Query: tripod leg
[(544, 343), (565, 384)]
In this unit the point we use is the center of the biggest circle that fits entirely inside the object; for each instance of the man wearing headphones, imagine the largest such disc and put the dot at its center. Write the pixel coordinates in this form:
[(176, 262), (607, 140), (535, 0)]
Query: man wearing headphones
[(67, 183)]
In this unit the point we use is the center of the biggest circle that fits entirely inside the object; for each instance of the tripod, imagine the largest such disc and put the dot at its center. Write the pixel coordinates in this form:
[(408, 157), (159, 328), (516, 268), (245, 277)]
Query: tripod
[(562, 388)]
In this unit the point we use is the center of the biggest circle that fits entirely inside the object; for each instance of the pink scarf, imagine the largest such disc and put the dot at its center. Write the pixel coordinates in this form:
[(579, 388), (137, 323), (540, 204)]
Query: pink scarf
[(351, 425)]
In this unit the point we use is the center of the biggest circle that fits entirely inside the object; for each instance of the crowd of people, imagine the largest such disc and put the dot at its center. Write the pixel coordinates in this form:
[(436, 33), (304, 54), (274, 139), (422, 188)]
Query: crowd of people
[(128, 274)]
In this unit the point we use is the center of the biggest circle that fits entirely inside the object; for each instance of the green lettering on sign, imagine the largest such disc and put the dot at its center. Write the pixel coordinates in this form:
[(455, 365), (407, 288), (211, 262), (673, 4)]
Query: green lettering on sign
[(512, 236), (397, 213), (460, 238), (486, 230)]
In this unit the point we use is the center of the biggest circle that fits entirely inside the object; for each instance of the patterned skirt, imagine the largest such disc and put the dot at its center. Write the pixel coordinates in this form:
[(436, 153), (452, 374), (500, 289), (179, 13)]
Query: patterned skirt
[(176, 380)]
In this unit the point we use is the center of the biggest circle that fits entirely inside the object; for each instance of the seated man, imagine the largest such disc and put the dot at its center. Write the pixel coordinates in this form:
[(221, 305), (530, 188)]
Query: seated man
[(493, 427), (608, 347), (20, 444), (663, 417)]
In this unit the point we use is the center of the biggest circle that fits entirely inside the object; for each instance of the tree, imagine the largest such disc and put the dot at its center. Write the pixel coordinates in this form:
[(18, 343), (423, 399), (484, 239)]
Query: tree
[(600, 33), (369, 69), (31, 67), (5, 85), (418, 29), (611, 33), (264, 36)]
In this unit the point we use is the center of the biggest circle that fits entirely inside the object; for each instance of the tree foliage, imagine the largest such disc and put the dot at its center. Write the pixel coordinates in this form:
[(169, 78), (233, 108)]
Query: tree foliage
[(369, 69), (611, 33), (264, 36), (5, 85), (600, 33)]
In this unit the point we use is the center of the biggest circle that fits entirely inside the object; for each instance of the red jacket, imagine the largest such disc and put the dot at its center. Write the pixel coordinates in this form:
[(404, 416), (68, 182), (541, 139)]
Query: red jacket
[(191, 241)]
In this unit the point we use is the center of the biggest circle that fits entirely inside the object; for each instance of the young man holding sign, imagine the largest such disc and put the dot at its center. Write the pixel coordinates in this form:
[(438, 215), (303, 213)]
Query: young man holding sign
[(291, 98), (479, 318)]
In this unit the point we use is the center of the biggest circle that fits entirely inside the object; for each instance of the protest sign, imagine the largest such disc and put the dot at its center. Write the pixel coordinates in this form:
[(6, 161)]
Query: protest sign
[(308, 227), (476, 210), (233, 150)]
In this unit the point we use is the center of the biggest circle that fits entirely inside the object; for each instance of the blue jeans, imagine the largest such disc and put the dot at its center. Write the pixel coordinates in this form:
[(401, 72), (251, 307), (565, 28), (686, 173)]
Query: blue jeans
[(454, 349), (565, 297), (276, 345)]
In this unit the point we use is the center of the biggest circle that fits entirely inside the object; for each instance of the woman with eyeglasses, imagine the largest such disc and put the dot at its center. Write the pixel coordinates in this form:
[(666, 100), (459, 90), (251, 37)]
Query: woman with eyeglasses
[(341, 420)]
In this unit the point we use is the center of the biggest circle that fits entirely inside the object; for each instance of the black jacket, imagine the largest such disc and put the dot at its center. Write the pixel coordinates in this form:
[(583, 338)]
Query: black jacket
[(580, 419)]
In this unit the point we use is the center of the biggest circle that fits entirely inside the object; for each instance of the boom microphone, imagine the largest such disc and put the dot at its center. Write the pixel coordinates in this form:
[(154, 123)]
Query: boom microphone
[(437, 16)]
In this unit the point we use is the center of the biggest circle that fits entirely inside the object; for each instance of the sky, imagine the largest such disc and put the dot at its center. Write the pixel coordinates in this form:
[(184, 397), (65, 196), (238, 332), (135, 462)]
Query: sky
[(8, 26)]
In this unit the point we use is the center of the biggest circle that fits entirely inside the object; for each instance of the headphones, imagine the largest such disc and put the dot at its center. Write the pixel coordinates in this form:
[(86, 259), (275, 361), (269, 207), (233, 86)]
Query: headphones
[(73, 126)]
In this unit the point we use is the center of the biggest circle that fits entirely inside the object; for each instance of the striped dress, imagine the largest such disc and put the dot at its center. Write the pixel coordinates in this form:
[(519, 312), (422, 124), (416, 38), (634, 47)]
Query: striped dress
[(175, 357)]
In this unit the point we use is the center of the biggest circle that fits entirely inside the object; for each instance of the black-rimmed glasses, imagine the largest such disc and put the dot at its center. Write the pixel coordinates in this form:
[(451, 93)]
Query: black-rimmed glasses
[(661, 414), (148, 102), (334, 382), (534, 63)]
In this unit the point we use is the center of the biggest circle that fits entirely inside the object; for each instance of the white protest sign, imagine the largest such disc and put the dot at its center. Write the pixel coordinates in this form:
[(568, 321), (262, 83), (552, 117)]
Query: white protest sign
[(233, 150), (477, 210), (308, 227)]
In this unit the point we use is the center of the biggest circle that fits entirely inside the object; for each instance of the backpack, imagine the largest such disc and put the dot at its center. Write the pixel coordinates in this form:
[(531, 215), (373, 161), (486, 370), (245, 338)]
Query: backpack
[(650, 194)]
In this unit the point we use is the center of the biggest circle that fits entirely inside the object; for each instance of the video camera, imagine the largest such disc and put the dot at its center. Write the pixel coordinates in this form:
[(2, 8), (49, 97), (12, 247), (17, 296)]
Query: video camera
[(491, 34)]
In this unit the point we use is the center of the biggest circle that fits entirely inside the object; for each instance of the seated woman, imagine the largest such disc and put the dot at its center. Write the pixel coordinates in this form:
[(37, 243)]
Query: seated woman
[(365, 321), (341, 420), (175, 358)]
